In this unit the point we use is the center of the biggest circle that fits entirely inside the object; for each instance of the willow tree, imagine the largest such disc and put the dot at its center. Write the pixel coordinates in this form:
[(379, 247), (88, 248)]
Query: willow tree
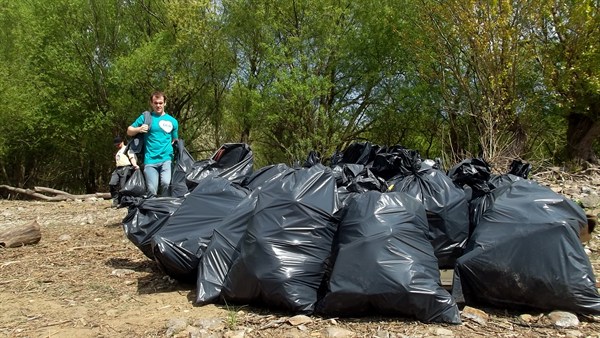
[(567, 39), (483, 71), (62, 53), (311, 72)]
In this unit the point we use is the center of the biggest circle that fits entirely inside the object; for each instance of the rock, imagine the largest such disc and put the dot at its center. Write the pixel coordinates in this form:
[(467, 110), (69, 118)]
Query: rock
[(194, 332), (590, 201), (213, 323), (564, 319), (527, 318), (299, 319), (235, 334), (176, 325), (382, 334), (338, 332), (476, 315), (64, 238)]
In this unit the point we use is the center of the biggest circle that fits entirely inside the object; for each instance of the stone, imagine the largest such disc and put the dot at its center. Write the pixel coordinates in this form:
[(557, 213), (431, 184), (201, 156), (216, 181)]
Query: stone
[(564, 319), (299, 319), (210, 323), (527, 318), (476, 315), (235, 334), (590, 201), (176, 325), (64, 238)]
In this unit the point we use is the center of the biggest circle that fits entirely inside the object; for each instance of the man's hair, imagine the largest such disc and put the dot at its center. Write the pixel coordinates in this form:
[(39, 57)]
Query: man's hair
[(158, 93)]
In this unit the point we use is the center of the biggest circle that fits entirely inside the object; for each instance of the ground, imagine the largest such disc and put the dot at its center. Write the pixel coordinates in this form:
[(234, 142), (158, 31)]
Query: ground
[(86, 279)]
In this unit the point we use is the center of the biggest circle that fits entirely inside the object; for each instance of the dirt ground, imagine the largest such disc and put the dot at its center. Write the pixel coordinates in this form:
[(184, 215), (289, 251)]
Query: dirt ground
[(85, 279)]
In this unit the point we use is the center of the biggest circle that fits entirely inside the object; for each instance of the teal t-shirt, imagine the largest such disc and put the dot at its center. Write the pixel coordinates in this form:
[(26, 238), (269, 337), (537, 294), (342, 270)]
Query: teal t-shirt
[(158, 141)]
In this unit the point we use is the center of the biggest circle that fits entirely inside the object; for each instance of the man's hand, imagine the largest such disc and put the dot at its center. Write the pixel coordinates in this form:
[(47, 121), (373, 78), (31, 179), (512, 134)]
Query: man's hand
[(143, 128)]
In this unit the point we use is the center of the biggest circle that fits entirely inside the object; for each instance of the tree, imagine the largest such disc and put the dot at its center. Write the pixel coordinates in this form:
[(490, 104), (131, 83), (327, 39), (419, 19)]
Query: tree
[(482, 69), (567, 39)]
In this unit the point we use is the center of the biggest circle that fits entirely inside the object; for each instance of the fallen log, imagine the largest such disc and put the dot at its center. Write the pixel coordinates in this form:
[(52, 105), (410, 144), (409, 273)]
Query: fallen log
[(50, 190), (12, 236), (60, 195)]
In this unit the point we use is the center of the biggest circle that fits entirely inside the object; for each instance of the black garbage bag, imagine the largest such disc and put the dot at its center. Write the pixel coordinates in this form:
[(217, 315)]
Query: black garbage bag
[(179, 244), (474, 173), (233, 161), (384, 262), (222, 250), (287, 242), (519, 168), (223, 246), (135, 185), (475, 176), (446, 205), (313, 158), (264, 175), (356, 153), (183, 162), (352, 179), (391, 162), (145, 217), (525, 253)]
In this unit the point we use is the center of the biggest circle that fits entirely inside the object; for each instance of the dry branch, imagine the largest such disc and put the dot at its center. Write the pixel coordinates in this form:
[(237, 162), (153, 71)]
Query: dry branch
[(59, 194), (13, 236)]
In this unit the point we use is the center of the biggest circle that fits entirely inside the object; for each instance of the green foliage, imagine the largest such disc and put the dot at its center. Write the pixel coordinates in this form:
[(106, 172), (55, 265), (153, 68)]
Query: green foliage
[(451, 79)]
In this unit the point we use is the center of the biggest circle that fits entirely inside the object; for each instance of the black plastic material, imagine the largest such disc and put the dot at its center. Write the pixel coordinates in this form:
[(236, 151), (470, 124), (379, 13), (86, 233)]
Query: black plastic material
[(179, 244), (135, 185), (145, 217), (182, 164), (232, 161), (446, 205), (525, 253), (222, 250), (287, 242), (385, 263)]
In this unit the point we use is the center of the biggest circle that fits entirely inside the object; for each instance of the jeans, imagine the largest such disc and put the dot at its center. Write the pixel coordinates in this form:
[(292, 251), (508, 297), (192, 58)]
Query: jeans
[(153, 172)]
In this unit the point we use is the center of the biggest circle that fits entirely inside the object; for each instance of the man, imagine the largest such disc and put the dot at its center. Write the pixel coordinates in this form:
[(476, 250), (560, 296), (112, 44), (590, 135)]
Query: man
[(125, 160), (158, 144)]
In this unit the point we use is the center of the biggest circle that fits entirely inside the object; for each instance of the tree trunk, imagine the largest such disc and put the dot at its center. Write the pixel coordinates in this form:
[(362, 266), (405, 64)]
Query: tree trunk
[(12, 236), (581, 133)]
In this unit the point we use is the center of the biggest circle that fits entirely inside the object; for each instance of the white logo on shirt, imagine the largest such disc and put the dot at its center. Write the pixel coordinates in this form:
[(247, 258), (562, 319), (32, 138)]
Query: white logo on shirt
[(165, 125)]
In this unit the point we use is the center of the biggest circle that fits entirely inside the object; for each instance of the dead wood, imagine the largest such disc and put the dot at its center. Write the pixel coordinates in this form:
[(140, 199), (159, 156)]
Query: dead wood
[(59, 194), (13, 236)]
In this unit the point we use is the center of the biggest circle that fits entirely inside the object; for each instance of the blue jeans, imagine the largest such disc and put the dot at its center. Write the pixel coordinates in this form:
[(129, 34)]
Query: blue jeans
[(152, 172)]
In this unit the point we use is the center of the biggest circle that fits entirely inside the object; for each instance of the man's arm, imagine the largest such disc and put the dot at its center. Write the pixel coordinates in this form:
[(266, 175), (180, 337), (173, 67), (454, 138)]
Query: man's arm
[(137, 127), (132, 131)]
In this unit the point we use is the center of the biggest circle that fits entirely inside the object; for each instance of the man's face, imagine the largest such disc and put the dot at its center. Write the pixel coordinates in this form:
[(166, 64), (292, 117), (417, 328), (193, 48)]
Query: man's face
[(158, 104)]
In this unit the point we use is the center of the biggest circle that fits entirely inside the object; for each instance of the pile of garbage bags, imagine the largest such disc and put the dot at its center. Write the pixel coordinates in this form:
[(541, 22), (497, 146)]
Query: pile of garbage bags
[(366, 234)]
